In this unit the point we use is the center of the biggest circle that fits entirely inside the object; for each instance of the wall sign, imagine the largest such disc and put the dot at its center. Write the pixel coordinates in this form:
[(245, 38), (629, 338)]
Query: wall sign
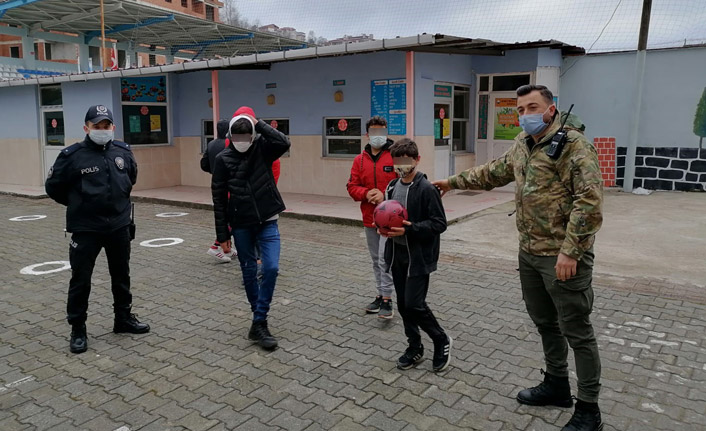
[(338, 82), (388, 99), (144, 89), (506, 119), (442, 91)]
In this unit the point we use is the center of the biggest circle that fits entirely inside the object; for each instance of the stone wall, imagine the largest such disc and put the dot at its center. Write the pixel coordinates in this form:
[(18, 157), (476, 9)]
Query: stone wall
[(666, 168)]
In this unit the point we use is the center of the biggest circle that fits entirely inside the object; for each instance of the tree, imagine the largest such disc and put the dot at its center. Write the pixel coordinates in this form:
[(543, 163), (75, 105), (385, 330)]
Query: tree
[(700, 120), (231, 15)]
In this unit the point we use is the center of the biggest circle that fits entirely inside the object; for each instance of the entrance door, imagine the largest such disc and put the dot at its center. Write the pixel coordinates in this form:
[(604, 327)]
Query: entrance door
[(443, 109), (503, 123), (53, 137)]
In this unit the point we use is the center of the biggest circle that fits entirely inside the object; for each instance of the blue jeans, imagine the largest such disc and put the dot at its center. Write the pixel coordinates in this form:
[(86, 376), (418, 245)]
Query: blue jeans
[(246, 241)]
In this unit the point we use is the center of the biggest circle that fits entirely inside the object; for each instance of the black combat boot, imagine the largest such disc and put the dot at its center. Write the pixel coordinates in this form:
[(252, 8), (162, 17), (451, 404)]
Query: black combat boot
[(553, 391), (79, 339), (587, 417), (127, 322), (260, 333)]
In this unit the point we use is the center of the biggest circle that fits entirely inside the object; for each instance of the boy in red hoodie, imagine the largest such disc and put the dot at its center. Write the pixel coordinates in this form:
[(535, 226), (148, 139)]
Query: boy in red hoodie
[(372, 170)]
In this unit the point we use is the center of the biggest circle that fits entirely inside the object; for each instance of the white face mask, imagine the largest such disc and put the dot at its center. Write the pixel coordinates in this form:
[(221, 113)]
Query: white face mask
[(242, 146), (377, 142), (101, 137)]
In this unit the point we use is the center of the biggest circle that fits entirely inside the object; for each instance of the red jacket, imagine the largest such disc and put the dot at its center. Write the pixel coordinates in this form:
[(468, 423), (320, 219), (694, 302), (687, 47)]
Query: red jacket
[(275, 170), (370, 172)]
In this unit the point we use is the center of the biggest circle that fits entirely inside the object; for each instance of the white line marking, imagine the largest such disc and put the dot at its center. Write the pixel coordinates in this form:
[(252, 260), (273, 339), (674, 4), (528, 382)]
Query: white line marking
[(640, 346), (28, 217), (169, 241), (31, 269), (174, 214), (613, 340), (639, 324), (653, 407), (665, 343)]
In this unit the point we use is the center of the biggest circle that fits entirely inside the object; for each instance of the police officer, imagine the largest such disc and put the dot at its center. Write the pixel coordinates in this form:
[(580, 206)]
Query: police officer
[(94, 178), (559, 196)]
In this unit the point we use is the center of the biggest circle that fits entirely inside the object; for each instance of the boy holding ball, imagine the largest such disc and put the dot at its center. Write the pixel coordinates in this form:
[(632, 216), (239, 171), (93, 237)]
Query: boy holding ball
[(411, 254)]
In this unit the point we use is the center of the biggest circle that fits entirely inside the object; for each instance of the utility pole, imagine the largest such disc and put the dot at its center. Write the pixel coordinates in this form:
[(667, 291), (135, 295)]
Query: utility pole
[(637, 97), (102, 37)]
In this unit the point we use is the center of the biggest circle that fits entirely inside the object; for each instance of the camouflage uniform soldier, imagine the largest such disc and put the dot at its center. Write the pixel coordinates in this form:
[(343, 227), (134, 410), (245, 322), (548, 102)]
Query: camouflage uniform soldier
[(558, 214)]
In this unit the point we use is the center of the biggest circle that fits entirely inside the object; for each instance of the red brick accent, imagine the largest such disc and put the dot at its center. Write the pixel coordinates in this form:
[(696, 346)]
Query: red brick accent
[(606, 159)]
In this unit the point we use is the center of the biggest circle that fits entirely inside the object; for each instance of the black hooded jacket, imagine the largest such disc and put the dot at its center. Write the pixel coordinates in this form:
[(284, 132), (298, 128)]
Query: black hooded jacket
[(208, 161), (248, 178), (426, 212)]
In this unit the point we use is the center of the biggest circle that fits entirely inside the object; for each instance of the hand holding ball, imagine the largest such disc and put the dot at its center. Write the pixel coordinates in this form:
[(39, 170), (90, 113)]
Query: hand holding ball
[(389, 214)]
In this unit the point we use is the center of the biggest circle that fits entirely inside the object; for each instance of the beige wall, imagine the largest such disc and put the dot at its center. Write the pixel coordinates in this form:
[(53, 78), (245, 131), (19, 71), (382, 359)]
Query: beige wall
[(157, 166), (463, 162), (426, 151), (190, 157), (21, 162)]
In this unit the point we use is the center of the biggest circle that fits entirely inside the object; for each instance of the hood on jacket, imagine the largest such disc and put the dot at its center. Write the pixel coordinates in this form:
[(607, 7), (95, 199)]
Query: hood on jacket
[(222, 129)]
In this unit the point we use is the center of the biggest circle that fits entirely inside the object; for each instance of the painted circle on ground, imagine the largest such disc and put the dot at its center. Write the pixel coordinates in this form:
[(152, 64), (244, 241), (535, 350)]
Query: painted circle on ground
[(167, 242), (32, 269), (172, 214), (28, 217)]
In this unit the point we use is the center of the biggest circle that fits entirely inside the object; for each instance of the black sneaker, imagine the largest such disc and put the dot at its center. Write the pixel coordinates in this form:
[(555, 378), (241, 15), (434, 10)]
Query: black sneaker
[(374, 307), (386, 309), (442, 355), (260, 332), (586, 417), (79, 339), (553, 391), (412, 356)]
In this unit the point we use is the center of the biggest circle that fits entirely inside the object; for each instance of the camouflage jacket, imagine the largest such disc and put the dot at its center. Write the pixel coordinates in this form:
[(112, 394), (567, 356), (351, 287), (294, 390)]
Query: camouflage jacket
[(558, 201)]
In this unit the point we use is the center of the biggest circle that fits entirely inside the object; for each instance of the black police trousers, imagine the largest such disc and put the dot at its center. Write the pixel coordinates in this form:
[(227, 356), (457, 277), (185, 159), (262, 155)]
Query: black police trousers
[(83, 251), (412, 301)]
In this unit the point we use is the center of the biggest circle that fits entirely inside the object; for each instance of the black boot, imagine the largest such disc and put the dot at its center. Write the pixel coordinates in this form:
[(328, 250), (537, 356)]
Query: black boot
[(587, 417), (260, 333), (79, 339), (553, 391), (127, 322)]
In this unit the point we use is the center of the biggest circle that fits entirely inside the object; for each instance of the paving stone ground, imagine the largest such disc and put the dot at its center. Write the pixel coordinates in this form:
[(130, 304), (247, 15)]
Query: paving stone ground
[(335, 368)]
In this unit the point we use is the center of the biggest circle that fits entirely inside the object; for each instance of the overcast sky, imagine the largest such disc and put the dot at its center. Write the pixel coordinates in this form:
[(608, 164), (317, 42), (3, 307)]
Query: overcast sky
[(577, 22)]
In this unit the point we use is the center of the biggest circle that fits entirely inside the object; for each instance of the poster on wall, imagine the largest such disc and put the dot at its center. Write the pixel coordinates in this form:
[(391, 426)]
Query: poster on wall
[(483, 116), (146, 89), (506, 119), (388, 99)]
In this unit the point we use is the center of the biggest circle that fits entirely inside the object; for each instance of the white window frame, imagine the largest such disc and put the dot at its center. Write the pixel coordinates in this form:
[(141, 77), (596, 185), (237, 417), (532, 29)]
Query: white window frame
[(489, 92), (326, 137)]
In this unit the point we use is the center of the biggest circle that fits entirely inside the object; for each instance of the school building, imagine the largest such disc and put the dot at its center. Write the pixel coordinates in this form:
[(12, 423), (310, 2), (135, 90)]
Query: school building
[(454, 96)]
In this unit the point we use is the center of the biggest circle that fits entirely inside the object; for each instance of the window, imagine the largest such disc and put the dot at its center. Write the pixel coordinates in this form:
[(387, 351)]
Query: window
[(509, 82), (342, 136), (207, 134), (484, 84), (281, 124), (50, 95), (184, 3), (461, 119), (15, 51), (47, 51), (168, 1), (210, 15), (145, 110), (54, 128)]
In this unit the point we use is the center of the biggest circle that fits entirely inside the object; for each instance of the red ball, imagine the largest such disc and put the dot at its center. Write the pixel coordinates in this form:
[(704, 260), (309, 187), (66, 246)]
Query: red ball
[(389, 214)]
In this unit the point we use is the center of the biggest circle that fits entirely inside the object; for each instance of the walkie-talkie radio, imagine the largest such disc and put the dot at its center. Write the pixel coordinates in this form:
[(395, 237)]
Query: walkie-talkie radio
[(559, 140)]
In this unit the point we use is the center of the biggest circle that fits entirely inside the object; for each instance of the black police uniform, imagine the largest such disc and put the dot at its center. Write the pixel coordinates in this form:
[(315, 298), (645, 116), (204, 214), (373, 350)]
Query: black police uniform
[(94, 182)]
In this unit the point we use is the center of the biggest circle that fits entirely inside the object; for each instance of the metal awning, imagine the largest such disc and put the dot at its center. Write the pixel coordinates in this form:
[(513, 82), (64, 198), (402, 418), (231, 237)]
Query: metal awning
[(439, 43), (444, 44), (141, 24)]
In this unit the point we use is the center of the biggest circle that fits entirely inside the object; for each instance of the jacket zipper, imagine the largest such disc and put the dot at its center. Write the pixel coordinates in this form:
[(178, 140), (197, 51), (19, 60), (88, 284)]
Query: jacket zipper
[(257, 211), (406, 240)]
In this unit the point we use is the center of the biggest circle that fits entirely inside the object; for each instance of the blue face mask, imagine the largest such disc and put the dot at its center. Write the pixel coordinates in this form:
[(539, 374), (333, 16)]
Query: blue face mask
[(533, 124)]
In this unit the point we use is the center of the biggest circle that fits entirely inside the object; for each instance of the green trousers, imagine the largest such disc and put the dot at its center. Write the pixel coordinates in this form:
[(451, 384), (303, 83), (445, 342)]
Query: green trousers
[(561, 310)]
